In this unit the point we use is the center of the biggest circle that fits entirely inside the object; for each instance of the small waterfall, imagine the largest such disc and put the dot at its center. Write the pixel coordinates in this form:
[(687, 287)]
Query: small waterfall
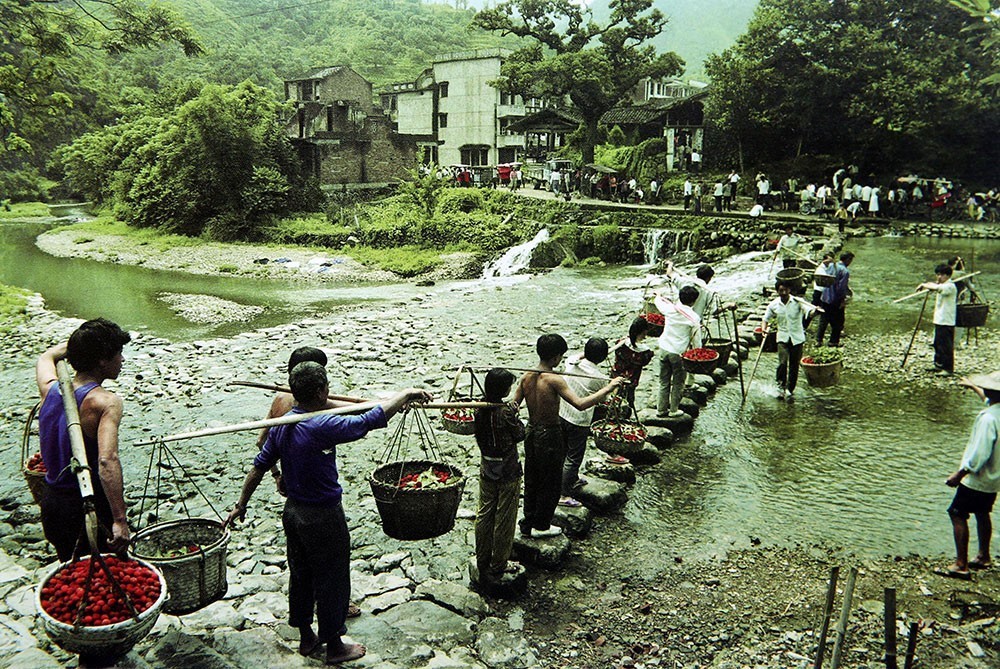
[(516, 258), (652, 245)]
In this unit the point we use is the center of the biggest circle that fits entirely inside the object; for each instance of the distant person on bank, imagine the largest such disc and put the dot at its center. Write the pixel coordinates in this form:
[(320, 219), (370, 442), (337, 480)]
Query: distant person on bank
[(544, 448), (977, 480), (945, 305), (317, 539), (94, 350)]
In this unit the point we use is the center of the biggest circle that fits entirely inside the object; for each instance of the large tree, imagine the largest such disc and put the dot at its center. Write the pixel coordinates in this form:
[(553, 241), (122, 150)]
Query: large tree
[(571, 56), (887, 84)]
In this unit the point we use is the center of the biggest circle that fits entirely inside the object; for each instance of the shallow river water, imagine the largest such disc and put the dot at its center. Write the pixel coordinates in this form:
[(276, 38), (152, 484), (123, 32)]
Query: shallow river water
[(860, 465)]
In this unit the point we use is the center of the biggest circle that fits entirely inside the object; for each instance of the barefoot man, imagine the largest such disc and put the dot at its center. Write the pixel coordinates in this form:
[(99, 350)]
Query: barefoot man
[(544, 448), (318, 542), (977, 479)]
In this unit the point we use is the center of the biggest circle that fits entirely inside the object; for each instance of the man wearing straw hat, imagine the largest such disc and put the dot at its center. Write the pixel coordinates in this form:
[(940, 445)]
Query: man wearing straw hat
[(317, 539), (95, 352), (977, 480)]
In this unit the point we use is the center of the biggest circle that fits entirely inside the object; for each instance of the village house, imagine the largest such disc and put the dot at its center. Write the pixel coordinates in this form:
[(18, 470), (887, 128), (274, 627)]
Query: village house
[(341, 135)]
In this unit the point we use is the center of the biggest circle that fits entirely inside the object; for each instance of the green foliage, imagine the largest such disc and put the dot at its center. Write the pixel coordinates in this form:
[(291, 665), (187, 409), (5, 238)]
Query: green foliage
[(23, 210), (424, 190), (569, 55), (822, 355), (311, 230), (986, 26), (616, 137), (405, 261), (460, 200), (13, 304)]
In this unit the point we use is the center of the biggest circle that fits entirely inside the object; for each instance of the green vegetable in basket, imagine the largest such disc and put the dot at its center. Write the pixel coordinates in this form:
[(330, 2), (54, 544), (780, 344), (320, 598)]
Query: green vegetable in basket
[(823, 355)]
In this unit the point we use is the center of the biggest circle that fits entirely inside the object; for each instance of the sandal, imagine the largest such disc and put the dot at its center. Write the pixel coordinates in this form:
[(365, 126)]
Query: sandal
[(570, 502), (617, 460), (980, 565)]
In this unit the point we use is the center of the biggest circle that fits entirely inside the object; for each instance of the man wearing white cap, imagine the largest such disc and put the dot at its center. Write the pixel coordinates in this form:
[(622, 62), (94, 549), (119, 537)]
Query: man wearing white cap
[(977, 480)]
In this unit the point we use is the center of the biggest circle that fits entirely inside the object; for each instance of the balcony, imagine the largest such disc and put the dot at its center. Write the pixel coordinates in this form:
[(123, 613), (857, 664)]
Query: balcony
[(506, 140), (507, 111)]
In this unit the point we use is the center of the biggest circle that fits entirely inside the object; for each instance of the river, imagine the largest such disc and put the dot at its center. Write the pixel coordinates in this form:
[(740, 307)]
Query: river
[(859, 466)]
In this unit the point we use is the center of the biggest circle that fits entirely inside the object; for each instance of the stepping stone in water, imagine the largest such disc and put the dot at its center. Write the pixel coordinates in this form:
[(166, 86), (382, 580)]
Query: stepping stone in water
[(575, 521), (606, 470), (601, 495), (547, 553)]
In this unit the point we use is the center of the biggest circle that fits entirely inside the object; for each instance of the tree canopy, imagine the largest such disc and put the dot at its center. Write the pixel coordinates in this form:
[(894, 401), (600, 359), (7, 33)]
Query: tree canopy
[(888, 84), (569, 55)]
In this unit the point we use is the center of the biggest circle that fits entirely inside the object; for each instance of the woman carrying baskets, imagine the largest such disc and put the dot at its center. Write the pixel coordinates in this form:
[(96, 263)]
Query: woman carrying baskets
[(317, 539), (498, 431)]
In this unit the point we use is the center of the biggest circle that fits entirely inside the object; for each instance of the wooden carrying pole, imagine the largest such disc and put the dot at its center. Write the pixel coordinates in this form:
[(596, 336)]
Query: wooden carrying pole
[(845, 614), (299, 417), (890, 628), (916, 329), (736, 349), (284, 389), (540, 371), (81, 466), (921, 292), (753, 371), (831, 592)]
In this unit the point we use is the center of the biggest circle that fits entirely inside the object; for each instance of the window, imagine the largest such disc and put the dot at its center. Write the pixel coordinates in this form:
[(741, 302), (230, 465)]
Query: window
[(307, 90), (475, 156), (442, 120), (506, 98), (443, 89)]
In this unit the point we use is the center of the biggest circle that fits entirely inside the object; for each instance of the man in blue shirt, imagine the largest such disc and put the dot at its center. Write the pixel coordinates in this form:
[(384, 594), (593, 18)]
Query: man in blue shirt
[(318, 542), (834, 302)]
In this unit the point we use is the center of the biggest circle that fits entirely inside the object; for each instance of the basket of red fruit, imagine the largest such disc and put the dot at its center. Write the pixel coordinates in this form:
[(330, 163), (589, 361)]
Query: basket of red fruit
[(699, 360), (417, 499), (618, 438), (459, 421), (32, 467), (655, 319), (191, 554), (85, 611)]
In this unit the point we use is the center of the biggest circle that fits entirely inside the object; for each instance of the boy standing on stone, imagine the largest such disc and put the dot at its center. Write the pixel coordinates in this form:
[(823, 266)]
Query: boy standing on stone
[(681, 331), (945, 303), (544, 449), (576, 424), (977, 480)]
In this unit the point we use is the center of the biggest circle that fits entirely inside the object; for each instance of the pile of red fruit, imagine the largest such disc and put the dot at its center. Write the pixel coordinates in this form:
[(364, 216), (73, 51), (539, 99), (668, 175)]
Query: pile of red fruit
[(64, 592), (459, 415), (426, 479), (627, 432), (654, 318), (700, 354), (36, 464)]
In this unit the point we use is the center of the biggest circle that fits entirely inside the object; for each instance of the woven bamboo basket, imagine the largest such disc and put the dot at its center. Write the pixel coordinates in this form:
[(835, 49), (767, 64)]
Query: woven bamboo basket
[(412, 514), (721, 346), (792, 275), (824, 280), (699, 366), (822, 375), (195, 579), (616, 446), (108, 640), (971, 315), (35, 480), (464, 427)]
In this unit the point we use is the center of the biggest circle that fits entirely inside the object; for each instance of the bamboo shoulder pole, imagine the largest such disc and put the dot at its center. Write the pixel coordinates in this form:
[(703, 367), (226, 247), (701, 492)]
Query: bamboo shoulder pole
[(754, 370), (952, 279), (542, 371), (845, 614), (831, 593), (79, 450), (297, 418), (286, 389), (916, 329)]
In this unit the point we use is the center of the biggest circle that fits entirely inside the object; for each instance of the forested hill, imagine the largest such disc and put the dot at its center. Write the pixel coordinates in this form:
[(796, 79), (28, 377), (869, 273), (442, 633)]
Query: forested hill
[(269, 41)]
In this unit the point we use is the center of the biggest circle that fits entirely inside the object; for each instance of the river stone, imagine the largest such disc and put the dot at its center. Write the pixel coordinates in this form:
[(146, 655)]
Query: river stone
[(250, 584), (216, 614), (606, 470), (499, 646), (732, 369), (22, 601), (706, 381), (31, 658), (601, 495), (690, 407), (423, 620), (15, 637), (510, 584), (390, 561), (658, 436), (177, 649), (648, 455), (379, 603), (454, 597), (257, 647), (697, 393), (719, 376), (369, 585), (259, 608), (548, 553), (575, 521)]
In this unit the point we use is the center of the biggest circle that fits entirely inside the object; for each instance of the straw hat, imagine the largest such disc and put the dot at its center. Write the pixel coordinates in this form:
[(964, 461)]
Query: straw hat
[(989, 381)]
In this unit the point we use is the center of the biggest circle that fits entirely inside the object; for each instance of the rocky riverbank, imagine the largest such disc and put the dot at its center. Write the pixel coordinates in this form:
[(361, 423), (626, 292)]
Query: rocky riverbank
[(597, 605)]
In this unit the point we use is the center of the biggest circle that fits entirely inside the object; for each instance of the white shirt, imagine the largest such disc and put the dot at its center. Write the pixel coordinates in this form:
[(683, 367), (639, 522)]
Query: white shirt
[(681, 327), (787, 245), (582, 388), (866, 193), (687, 187), (705, 296), (718, 189), (789, 318), (823, 269), (945, 303), (982, 454), (756, 210)]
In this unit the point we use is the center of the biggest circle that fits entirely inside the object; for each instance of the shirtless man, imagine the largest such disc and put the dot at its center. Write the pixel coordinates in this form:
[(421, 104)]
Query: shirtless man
[(544, 448), (95, 352)]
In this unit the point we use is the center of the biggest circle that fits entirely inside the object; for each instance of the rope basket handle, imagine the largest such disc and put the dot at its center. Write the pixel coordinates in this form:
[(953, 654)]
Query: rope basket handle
[(26, 437)]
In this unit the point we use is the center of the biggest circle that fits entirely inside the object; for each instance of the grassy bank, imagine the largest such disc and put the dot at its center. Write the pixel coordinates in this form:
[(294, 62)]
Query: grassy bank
[(13, 304), (23, 210)]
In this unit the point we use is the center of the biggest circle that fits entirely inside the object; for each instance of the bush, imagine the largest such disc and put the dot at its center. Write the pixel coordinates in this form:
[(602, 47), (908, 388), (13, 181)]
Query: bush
[(465, 200), (405, 261), (310, 230)]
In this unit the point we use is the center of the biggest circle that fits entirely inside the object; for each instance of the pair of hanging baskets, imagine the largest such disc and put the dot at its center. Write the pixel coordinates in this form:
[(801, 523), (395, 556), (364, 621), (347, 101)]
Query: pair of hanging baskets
[(32, 467), (618, 438)]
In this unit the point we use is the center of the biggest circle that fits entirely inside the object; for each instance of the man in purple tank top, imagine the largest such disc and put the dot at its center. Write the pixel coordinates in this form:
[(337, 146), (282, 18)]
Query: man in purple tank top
[(95, 352)]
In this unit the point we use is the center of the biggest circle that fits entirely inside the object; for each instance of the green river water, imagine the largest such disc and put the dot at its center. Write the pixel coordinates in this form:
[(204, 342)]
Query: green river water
[(860, 465)]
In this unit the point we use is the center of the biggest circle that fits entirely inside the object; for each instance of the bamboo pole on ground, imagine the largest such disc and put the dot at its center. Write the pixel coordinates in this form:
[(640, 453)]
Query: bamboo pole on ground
[(296, 418), (911, 646), (756, 362), (890, 628), (739, 358), (845, 614), (831, 592), (286, 389), (81, 466), (913, 337)]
